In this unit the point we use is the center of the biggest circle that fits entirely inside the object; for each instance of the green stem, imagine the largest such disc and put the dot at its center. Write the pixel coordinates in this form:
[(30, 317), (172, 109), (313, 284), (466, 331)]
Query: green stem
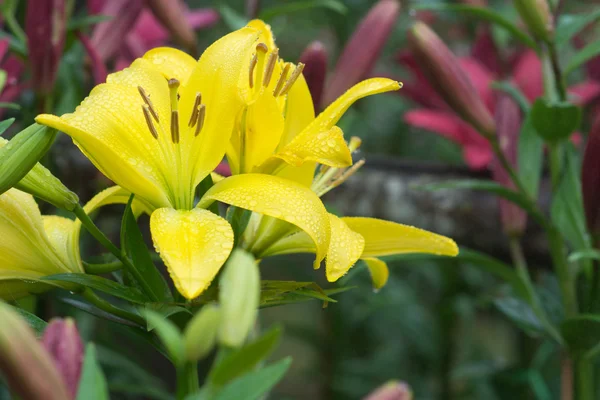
[(555, 164), (585, 379), (187, 380), (99, 269), (15, 28), (101, 237), (104, 305), (559, 81)]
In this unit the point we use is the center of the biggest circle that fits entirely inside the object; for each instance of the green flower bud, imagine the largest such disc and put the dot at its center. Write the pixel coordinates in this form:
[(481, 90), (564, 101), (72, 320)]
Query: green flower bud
[(25, 364), (537, 16), (239, 297), (19, 167), (201, 333)]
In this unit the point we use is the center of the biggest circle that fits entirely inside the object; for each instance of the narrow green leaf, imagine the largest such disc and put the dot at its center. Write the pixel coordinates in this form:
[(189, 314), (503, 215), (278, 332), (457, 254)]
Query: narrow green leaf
[(271, 299), (92, 385), (530, 156), (232, 18), (12, 106), (483, 14), (4, 125), (570, 25), (36, 323), (519, 312), (514, 92), (255, 384), (169, 335), (86, 21), (582, 56), (101, 284), (244, 359), (493, 266), (3, 76), (134, 246), (238, 218), (588, 254), (295, 7)]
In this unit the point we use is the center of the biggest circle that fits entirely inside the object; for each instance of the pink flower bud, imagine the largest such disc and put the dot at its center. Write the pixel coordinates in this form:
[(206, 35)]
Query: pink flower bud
[(314, 59), (61, 339), (508, 127), (590, 179), (24, 363), (446, 75), (537, 16), (45, 28), (363, 48), (108, 36), (252, 8), (171, 15), (391, 391)]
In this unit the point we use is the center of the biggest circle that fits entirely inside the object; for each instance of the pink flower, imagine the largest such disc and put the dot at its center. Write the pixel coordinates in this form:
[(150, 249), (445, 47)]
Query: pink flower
[(14, 68)]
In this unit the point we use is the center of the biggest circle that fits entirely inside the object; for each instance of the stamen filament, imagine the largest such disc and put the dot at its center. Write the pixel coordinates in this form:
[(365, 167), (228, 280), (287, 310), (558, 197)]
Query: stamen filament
[(281, 80), (201, 112), (148, 102), (194, 116), (293, 78), (253, 62), (148, 116), (270, 67), (173, 87)]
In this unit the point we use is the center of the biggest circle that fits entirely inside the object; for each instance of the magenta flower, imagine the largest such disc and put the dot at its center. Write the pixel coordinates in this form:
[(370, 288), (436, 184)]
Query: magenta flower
[(13, 67)]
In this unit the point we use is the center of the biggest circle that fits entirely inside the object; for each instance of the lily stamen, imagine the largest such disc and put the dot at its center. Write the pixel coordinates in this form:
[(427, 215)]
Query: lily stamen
[(173, 86), (148, 102), (201, 113), (270, 67), (194, 116), (253, 62), (148, 116), (293, 78), (281, 80)]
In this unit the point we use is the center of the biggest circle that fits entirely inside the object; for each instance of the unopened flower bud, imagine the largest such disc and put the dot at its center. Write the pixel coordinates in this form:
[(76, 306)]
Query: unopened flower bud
[(590, 180), (537, 16), (252, 8), (445, 74), (391, 391), (45, 26), (508, 127), (19, 167), (61, 339), (201, 333), (314, 59), (108, 35), (24, 363), (363, 48), (171, 14), (239, 297)]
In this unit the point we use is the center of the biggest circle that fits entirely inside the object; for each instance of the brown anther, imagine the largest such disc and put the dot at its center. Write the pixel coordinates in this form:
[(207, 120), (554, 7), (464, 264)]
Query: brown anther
[(148, 102), (270, 67), (201, 116), (253, 62), (293, 78), (281, 80), (262, 47), (175, 126), (148, 116), (194, 115)]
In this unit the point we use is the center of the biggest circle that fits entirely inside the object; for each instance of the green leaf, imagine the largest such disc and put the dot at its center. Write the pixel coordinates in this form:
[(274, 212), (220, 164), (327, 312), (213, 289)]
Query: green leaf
[(483, 14), (493, 266), (255, 384), (169, 335), (3, 76), (4, 125), (232, 18), (567, 206), (530, 156), (588, 254), (514, 92), (555, 121), (520, 313), (12, 106), (243, 360), (86, 21), (92, 385), (133, 372), (582, 334), (101, 284), (289, 8), (134, 246), (238, 218), (273, 299), (36, 323), (582, 56), (570, 25)]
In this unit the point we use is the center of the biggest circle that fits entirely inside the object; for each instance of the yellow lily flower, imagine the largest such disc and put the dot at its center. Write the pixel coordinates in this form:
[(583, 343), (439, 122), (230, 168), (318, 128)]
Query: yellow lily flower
[(159, 127), (279, 134)]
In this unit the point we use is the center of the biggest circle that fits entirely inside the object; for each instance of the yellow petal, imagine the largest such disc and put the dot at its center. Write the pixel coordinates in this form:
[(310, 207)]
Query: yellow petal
[(328, 148), (278, 198), (379, 272), (303, 174), (110, 128), (345, 249), (385, 238), (216, 77), (194, 244), (60, 233), (265, 32), (332, 114), (172, 63)]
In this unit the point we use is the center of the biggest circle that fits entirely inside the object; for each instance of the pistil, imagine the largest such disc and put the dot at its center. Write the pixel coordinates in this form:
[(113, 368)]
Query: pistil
[(173, 87)]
